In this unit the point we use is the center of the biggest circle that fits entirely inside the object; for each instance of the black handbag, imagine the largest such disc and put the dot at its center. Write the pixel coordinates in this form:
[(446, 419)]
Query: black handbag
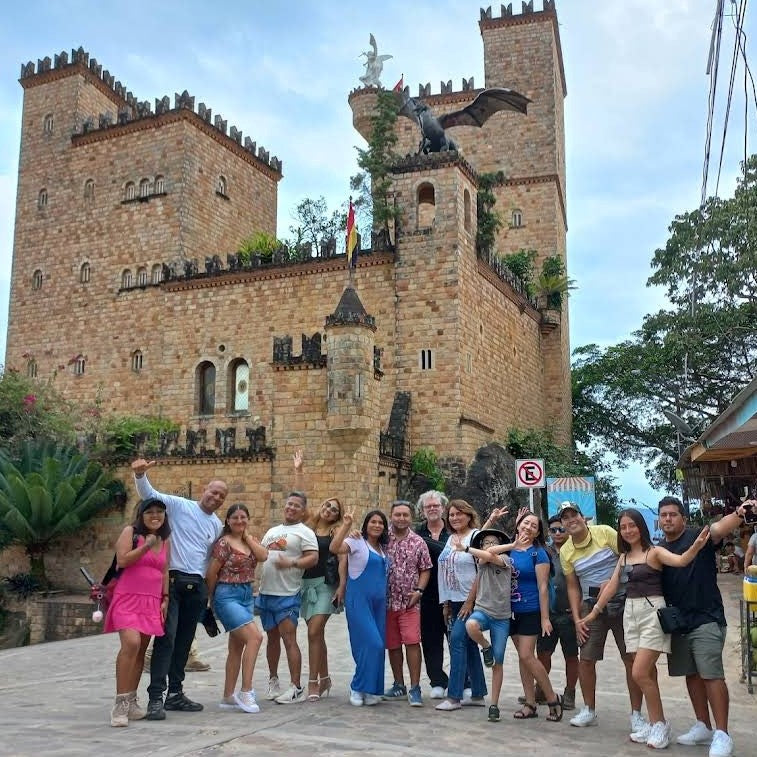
[(208, 620), (671, 620), (331, 570)]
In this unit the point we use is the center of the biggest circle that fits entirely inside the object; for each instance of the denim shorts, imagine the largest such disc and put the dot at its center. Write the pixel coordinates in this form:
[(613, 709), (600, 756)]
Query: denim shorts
[(233, 605), (274, 609), (499, 630)]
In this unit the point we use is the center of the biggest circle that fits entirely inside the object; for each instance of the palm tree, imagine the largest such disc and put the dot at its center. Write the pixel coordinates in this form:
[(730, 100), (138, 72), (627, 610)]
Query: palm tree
[(48, 492)]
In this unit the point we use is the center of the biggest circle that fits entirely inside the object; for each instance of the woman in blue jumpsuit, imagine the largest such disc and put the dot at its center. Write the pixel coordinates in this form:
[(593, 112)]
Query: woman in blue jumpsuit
[(365, 602)]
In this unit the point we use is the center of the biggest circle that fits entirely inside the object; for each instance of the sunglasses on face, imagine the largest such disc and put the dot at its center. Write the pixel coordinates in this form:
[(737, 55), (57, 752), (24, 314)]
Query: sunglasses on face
[(556, 530)]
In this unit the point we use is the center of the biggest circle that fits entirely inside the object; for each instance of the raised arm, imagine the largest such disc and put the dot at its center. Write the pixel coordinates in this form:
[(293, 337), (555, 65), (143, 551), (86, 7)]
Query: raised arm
[(666, 557), (496, 514), (259, 552), (486, 555), (337, 546), (299, 474), (721, 529)]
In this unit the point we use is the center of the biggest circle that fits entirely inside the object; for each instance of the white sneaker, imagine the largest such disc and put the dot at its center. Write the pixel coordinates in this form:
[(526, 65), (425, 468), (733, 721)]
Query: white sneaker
[(638, 721), (370, 699), (722, 745), (274, 688), (641, 736), (437, 692), (699, 733), (467, 694), (659, 735), (229, 704), (356, 698), (293, 695), (246, 701), (585, 717)]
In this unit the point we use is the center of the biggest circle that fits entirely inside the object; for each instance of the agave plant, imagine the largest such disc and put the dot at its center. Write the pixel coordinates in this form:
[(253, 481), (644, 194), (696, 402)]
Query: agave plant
[(46, 493)]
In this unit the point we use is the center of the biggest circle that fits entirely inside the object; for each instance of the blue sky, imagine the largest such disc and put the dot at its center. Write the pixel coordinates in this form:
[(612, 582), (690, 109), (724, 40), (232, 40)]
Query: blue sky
[(635, 112)]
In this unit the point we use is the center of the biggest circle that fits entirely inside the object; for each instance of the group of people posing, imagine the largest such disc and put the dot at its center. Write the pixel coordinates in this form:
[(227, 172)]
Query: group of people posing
[(407, 590)]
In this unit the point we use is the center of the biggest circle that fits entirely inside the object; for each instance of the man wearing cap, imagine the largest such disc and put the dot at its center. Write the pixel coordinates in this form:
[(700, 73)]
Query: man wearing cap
[(409, 571), (588, 559), (194, 528)]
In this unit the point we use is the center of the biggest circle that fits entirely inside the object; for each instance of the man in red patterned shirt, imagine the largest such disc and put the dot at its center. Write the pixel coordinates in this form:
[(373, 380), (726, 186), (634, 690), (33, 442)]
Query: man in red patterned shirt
[(409, 571)]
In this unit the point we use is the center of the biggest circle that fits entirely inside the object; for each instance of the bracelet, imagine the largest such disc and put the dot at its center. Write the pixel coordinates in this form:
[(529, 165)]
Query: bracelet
[(418, 589), (467, 547)]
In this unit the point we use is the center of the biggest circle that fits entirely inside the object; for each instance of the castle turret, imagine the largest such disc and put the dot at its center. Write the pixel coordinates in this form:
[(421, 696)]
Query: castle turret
[(352, 400)]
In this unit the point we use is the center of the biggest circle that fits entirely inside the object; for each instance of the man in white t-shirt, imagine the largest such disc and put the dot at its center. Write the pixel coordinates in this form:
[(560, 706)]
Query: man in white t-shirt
[(292, 549), (194, 528)]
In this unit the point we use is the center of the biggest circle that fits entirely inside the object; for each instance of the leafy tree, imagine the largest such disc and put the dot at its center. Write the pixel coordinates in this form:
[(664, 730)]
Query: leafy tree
[(619, 392), (568, 461), (314, 224), (489, 221), (373, 183), (47, 492)]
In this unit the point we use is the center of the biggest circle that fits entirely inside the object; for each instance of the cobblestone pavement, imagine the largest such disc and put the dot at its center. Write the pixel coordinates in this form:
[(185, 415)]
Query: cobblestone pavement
[(55, 700)]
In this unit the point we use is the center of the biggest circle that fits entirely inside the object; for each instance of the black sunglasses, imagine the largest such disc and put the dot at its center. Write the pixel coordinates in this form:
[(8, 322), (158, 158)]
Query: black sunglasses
[(556, 530)]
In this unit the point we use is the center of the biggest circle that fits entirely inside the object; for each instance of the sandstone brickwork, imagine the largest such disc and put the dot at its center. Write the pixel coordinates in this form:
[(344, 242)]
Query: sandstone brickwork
[(443, 335)]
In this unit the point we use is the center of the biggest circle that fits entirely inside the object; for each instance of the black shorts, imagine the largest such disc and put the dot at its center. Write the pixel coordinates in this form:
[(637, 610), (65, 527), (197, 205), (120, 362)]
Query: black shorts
[(525, 624), (564, 630)]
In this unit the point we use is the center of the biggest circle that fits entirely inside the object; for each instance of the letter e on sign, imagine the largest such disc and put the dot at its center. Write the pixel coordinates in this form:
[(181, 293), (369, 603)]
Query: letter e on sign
[(529, 474)]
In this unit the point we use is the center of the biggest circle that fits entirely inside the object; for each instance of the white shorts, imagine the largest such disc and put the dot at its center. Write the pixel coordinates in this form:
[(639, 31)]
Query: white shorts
[(641, 626)]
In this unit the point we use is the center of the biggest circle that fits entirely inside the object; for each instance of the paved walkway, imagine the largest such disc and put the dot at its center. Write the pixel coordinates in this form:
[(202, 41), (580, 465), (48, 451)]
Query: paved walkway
[(55, 700)]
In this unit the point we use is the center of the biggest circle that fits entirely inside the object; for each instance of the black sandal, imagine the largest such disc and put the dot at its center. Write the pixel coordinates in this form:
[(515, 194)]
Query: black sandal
[(555, 710), (526, 714)]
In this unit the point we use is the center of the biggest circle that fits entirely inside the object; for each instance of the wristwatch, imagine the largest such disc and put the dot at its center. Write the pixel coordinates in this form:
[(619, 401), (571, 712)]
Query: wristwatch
[(467, 547)]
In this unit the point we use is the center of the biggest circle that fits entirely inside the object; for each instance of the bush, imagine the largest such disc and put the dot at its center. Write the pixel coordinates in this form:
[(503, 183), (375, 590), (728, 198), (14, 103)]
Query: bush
[(22, 585), (424, 462)]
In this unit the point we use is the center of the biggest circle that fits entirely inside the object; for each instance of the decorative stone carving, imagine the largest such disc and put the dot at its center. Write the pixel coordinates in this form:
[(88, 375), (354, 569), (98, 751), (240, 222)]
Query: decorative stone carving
[(446, 88), (235, 134), (220, 124), (183, 100), (163, 105), (468, 84), (204, 113), (250, 146), (374, 65)]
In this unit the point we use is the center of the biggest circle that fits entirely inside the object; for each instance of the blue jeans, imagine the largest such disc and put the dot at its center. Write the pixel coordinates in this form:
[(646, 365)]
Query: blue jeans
[(464, 658), (499, 630)]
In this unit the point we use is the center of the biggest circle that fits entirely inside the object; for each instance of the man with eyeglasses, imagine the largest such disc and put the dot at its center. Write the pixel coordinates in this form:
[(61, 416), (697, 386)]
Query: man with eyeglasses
[(698, 654), (588, 559), (561, 618), (431, 506)]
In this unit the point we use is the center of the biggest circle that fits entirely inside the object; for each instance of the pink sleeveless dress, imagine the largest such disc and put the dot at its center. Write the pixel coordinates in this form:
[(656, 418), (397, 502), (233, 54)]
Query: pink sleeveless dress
[(136, 599)]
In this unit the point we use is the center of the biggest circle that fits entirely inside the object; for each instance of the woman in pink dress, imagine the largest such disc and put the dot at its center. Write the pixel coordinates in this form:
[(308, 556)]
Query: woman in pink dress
[(140, 600)]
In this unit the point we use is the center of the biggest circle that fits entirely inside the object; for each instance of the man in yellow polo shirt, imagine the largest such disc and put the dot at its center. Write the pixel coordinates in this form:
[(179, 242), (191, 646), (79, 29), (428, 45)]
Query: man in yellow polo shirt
[(588, 560)]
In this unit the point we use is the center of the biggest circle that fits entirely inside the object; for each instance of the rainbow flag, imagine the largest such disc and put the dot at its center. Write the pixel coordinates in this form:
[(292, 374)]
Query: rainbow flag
[(351, 247)]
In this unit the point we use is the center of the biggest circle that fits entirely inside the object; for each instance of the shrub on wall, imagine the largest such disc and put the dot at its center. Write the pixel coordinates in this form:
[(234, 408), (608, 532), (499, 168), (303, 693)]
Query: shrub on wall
[(425, 462)]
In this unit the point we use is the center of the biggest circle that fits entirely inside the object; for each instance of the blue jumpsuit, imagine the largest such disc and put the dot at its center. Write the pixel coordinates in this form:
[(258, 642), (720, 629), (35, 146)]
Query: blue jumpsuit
[(365, 603)]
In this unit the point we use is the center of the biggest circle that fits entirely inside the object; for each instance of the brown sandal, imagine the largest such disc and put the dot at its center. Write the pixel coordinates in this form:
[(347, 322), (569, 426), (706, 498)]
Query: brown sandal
[(555, 710), (526, 712)]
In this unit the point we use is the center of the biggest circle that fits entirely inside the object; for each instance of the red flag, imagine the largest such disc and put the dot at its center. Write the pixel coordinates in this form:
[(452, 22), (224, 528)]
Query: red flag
[(400, 85), (351, 246)]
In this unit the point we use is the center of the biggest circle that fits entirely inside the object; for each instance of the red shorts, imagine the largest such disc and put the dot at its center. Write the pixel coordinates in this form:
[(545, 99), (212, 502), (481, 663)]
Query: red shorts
[(403, 627)]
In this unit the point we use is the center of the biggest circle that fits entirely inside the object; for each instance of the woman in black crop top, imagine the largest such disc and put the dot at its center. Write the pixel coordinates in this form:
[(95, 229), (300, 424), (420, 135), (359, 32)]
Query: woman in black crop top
[(640, 570)]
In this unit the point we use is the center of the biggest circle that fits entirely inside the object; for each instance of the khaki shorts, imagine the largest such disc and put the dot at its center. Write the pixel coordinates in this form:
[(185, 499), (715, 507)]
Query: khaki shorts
[(698, 652), (593, 648), (641, 626)]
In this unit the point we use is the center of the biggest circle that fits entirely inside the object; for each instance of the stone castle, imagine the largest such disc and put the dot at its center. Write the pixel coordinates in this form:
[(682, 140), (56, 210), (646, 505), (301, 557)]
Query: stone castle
[(126, 285)]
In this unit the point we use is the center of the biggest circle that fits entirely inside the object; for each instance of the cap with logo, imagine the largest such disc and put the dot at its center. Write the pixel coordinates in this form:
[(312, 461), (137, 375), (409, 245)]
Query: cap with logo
[(564, 506)]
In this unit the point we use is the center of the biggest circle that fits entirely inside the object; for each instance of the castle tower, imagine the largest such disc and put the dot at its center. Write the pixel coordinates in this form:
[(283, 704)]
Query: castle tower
[(352, 405)]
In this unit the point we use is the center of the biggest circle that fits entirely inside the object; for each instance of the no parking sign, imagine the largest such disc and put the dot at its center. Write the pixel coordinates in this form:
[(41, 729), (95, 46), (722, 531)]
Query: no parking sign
[(529, 474)]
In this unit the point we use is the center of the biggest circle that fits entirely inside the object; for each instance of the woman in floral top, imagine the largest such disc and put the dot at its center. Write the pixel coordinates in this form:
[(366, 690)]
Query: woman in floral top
[(232, 567)]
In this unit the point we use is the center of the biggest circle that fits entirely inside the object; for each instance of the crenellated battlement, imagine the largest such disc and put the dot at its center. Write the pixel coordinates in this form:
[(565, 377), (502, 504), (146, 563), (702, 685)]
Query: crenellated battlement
[(129, 109), (527, 9), (446, 92)]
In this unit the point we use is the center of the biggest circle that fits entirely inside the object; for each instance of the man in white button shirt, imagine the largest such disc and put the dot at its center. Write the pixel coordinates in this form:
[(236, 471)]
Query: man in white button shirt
[(194, 528)]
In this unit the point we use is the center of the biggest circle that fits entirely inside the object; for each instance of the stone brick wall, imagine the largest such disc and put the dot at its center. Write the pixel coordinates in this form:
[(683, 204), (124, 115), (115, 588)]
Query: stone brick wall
[(56, 617)]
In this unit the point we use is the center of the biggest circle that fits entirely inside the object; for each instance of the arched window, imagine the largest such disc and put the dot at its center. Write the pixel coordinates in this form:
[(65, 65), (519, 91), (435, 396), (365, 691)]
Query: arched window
[(141, 277), (160, 185), (89, 189), (144, 188), (84, 272), (31, 368), (42, 199), (222, 186), (37, 280), (79, 365), (466, 210), (157, 273), (136, 361), (206, 388), (126, 279), (47, 124), (129, 191), (426, 205), (517, 219), (239, 386)]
